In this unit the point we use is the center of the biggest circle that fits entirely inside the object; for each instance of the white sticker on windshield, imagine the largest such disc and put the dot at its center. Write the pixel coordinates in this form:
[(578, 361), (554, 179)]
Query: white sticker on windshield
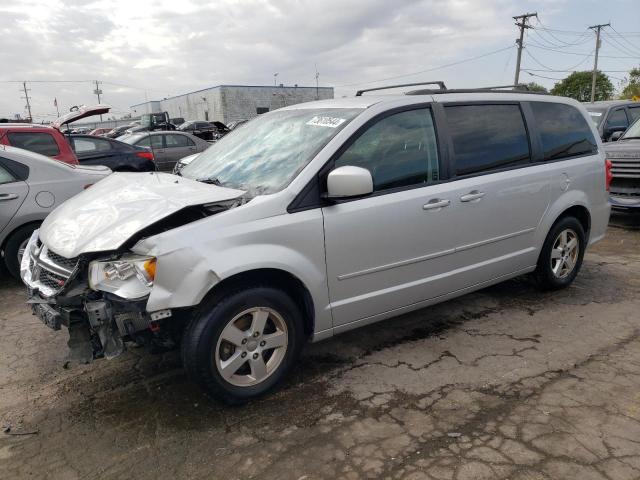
[(595, 114), (331, 122)]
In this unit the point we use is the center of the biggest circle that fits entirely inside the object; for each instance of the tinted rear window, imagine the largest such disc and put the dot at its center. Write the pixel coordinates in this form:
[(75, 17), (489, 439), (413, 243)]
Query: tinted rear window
[(487, 137), (39, 142), (563, 130)]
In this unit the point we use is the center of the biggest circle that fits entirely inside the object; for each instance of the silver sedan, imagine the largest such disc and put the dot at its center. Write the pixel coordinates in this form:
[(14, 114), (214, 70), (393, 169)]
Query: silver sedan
[(167, 147), (31, 186)]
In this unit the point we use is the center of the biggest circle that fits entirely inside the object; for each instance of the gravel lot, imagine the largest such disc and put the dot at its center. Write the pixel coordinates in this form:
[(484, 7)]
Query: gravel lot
[(508, 382)]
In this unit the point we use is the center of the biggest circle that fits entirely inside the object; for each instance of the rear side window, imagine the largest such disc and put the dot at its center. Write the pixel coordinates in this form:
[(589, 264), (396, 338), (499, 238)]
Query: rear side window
[(91, 145), (487, 137), (399, 150), (5, 176), (155, 142), (617, 119), (563, 130), (39, 142), (634, 113), (178, 141)]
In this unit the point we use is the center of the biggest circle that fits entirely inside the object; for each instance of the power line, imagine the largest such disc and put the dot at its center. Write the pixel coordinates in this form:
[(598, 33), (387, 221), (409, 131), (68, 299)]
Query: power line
[(535, 45), (562, 43), (623, 38), (427, 70), (620, 47), (570, 69)]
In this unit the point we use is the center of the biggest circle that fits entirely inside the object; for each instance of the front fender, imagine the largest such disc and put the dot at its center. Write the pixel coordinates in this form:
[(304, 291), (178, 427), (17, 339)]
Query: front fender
[(192, 259)]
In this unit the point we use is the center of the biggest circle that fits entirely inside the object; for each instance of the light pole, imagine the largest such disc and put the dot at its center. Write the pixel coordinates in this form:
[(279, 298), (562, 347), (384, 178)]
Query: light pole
[(275, 79)]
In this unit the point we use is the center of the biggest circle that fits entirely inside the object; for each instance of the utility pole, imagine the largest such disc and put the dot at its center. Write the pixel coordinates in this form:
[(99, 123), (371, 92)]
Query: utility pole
[(597, 28), (317, 89), (98, 92), (522, 23), (26, 97)]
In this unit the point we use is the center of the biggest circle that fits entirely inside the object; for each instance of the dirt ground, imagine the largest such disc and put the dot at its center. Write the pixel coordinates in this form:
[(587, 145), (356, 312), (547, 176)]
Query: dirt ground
[(508, 382)]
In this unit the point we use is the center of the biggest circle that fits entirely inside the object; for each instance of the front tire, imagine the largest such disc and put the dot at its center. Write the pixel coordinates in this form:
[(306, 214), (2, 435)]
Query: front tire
[(242, 346), (562, 254), (15, 248)]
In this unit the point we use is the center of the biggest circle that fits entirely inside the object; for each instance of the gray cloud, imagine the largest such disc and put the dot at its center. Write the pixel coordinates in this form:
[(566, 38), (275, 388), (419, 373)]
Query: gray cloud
[(154, 48)]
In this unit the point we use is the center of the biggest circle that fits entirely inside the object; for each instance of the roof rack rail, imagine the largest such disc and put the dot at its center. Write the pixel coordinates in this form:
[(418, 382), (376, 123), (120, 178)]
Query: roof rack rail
[(440, 83), (521, 88)]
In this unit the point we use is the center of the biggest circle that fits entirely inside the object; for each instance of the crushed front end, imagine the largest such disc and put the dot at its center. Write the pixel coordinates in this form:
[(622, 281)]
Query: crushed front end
[(101, 299)]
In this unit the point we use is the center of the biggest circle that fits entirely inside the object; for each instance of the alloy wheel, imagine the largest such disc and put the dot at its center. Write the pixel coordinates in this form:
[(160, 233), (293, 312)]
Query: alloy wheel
[(251, 346), (564, 254)]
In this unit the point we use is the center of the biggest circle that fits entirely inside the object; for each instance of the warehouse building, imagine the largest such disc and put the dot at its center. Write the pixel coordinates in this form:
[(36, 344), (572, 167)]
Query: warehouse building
[(228, 103)]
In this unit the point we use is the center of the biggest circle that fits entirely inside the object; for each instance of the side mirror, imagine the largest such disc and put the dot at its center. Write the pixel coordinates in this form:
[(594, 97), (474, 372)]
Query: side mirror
[(615, 136), (347, 182)]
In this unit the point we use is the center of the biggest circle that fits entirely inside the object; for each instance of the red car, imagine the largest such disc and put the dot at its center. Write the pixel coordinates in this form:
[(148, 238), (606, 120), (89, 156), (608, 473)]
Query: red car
[(47, 140)]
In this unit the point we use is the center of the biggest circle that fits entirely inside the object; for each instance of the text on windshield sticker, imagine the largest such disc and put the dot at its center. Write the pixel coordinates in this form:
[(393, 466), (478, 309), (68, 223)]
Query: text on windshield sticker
[(331, 122)]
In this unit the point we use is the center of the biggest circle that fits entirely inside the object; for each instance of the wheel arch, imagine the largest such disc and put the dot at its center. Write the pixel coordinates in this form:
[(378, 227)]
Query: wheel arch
[(14, 229), (273, 277)]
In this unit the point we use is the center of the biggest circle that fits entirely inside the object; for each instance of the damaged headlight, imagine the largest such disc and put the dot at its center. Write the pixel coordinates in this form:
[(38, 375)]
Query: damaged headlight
[(130, 276)]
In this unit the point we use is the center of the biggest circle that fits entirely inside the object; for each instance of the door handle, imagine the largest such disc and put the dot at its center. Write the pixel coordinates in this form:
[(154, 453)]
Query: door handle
[(8, 196), (436, 204), (471, 196)]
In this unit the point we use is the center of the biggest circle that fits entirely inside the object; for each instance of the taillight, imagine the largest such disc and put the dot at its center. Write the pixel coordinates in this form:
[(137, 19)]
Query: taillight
[(608, 175), (147, 155)]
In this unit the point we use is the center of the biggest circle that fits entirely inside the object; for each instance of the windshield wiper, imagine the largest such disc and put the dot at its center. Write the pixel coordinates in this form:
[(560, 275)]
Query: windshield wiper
[(210, 180), (630, 138)]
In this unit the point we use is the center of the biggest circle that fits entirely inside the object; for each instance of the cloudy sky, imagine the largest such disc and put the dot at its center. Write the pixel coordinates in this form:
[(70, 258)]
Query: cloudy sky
[(150, 49)]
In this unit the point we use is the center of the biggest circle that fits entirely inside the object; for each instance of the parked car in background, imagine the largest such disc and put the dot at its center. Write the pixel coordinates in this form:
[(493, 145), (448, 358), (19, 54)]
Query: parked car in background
[(183, 162), (625, 158), (152, 122), (206, 130), (167, 147), (31, 186), (322, 217), (613, 117), (81, 130), (177, 121), (118, 156), (40, 139), (118, 131), (235, 124), (99, 131), (48, 140), (200, 129)]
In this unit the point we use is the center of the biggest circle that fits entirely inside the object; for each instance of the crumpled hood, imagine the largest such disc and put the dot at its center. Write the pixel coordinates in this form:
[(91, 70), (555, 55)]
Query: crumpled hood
[(110, 212), (623, 149)]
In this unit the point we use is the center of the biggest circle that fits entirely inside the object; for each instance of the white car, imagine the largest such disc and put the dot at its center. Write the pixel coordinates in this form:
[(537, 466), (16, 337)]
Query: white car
[(31, 186), (322, 217)]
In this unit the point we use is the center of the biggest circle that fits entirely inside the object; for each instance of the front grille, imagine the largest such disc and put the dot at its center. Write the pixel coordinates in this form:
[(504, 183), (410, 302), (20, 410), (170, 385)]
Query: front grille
[(68, 263), (625, 167), (49, 272)]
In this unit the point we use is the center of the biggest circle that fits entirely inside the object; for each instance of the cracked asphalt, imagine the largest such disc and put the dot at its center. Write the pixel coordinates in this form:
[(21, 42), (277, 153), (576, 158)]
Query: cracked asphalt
[(508, 382)]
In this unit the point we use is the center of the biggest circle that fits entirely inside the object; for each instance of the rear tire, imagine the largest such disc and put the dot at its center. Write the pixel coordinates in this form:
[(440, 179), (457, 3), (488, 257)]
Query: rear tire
[(242, 346), (14, 248), (562, 254)]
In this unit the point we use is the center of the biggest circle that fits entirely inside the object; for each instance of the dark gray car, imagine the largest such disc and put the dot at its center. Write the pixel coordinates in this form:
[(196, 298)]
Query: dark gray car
[(167, 147), (613, 117)]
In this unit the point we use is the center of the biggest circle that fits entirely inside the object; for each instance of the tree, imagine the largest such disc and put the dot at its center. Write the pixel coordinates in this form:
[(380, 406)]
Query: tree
[(578, 86), (632, 89), (536, 87)]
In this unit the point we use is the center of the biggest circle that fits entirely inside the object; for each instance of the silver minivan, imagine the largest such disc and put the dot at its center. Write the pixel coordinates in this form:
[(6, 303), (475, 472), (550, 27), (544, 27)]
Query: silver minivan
[(319, 218)]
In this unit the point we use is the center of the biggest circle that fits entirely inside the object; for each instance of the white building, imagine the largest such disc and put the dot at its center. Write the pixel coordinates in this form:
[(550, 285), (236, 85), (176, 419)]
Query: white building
[(227, 103)]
